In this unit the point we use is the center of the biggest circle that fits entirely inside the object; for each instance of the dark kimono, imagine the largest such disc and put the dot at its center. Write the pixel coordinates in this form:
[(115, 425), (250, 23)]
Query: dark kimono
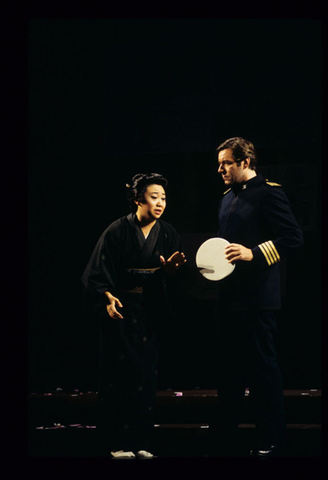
[(128, 266)]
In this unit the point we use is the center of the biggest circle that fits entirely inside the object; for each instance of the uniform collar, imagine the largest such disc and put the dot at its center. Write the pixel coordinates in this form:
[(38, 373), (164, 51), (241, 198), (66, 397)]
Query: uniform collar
[(253, 182)]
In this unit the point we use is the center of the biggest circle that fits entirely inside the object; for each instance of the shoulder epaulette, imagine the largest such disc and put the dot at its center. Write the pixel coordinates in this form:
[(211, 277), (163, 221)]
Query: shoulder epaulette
[(227, 191), (272, 184)]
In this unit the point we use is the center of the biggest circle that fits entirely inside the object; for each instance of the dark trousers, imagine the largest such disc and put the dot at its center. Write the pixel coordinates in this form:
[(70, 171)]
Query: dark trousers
[(246, 357)]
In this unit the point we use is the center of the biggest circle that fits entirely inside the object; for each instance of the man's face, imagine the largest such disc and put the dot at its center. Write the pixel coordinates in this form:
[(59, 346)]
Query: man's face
[(229, 169)]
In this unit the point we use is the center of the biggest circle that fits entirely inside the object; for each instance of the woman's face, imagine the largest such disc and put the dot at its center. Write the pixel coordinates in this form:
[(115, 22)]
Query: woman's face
[(153, 204)]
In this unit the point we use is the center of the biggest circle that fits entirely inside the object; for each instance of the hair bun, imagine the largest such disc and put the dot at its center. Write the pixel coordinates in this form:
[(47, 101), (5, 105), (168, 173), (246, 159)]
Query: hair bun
[(141, 179)]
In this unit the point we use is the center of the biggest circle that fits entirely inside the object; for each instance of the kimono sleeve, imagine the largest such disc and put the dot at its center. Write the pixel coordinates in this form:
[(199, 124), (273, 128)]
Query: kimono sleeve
[(286, 235), (175, 242), (100, 274)]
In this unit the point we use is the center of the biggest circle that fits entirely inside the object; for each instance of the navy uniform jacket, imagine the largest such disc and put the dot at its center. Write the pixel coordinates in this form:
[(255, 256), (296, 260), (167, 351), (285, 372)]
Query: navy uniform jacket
[(257, 215)]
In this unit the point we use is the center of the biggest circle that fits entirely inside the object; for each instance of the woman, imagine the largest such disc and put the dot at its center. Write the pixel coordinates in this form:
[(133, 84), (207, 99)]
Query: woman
[(126, 276)]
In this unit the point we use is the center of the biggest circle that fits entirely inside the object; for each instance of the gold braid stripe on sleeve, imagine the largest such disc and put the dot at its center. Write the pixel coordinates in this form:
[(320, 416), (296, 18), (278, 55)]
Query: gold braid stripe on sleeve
[(270, 252)]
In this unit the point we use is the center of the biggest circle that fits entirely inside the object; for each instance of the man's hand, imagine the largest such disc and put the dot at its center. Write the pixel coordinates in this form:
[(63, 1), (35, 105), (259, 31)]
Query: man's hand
[(174, 262), (235, 252), (111, 307)]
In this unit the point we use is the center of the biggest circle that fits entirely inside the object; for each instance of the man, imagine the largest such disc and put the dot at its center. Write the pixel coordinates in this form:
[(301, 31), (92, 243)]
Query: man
[(255, 217)]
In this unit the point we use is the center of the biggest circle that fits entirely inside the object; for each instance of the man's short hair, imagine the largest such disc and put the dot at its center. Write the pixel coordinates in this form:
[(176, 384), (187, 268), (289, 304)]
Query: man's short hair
[(241, 149)]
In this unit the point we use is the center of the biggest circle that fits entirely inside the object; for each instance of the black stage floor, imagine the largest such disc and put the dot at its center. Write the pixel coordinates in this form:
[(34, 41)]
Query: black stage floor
[(63, 424)]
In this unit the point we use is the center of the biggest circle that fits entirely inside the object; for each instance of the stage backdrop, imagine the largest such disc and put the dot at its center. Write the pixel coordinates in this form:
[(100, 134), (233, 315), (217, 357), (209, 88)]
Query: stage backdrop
[(111, 98)]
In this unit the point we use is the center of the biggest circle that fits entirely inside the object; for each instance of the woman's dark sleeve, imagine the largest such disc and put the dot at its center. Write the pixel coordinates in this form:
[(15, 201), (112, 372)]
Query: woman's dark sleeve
[(100, 274)]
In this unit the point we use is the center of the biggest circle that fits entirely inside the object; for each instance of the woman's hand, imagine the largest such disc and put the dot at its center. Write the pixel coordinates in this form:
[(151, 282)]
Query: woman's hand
[(173, 263), (113, 304)]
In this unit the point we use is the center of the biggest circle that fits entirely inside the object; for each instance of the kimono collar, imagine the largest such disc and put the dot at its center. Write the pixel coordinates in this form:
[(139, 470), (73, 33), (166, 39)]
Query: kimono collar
[(146, 245)]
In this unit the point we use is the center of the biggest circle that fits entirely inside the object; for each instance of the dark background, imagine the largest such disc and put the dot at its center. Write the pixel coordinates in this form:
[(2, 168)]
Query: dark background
[(111, 98)]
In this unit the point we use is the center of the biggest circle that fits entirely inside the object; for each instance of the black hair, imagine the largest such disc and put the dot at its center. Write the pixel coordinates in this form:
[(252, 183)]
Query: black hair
[(241, 149), (139, 184)]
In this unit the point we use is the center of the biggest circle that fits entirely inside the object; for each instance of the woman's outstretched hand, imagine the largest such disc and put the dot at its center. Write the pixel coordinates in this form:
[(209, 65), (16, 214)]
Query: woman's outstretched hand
[(112, 305), (173, 263)]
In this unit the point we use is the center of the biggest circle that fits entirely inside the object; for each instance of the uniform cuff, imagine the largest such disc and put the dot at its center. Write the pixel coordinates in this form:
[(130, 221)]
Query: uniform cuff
[(266, 253)]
